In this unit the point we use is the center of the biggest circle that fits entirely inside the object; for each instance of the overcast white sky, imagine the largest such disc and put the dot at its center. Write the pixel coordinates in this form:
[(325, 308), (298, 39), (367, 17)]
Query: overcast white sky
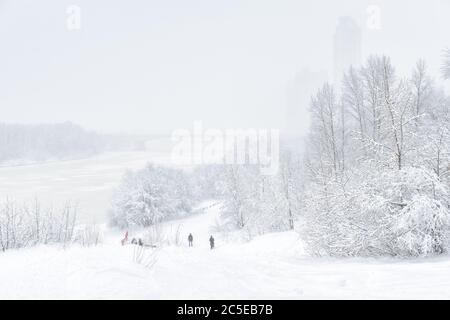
[(152, 66)]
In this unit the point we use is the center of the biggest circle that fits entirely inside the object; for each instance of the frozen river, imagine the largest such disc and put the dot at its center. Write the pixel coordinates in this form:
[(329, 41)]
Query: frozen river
[(88, 182)]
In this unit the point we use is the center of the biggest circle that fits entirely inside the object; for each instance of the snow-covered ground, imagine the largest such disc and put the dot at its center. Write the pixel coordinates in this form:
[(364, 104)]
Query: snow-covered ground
[(272, 266)]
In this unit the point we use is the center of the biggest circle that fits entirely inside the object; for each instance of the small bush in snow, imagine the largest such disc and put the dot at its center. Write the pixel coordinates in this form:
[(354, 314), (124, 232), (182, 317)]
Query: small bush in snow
[(156, 236), (23, 226), (89, 235), (153, 235)]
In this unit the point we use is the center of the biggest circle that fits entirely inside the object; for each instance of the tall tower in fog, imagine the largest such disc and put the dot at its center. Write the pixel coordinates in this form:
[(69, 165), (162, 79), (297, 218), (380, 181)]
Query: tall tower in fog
[(347, 47)]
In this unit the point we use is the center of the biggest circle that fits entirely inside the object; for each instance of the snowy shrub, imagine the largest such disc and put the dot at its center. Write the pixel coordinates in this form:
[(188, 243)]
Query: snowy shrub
[(22, 226), (89, 235), (173, 236), (423, 227), (149, 196), (154, 235), (157, 236), (398, 213)]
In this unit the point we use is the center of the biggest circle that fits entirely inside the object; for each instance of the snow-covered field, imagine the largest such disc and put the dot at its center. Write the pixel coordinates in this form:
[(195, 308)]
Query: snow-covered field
[(273, 266)]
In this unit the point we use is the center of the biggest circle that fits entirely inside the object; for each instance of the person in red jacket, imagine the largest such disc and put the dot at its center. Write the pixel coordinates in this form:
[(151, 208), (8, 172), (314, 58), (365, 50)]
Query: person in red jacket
[(125, 239)]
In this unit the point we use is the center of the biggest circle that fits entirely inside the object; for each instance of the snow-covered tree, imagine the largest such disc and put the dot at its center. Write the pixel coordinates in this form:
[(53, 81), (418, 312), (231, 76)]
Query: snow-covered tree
[(260, 203), (385, 190), (208, 181), (446, 65), (403, 212), (241, 193), (422, 87), (433, 147), (290, 187), (149, 196)]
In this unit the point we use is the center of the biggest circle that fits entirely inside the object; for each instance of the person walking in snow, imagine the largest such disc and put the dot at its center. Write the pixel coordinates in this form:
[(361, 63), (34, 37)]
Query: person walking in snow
[(190, 239), (211, 242)]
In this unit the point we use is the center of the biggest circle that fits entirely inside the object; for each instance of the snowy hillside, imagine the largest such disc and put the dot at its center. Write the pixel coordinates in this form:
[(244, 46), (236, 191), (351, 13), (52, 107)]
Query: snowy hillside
[(269, 267), (225, 150)]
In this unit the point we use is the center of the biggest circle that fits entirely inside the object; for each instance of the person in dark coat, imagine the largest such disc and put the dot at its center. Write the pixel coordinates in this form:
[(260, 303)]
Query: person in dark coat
[(190, 240), (211, 242)]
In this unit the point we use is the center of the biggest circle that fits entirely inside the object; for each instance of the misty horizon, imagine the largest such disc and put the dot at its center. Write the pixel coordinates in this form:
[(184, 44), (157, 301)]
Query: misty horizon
[(151, 68)]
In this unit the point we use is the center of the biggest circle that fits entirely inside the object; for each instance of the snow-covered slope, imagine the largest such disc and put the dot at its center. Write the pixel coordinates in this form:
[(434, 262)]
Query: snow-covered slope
[(272, 266)]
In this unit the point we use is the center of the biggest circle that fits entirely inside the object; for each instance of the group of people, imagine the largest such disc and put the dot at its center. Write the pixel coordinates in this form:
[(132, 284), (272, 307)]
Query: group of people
[(139, 241), (191, 241)]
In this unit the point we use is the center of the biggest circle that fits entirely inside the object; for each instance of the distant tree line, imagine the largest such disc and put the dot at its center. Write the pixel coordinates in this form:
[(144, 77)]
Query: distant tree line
[(42, 142), (27, 143)]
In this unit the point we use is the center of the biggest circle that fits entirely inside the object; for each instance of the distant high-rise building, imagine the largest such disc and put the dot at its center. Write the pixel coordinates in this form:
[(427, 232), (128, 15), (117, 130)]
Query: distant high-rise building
[(300, 90), (347, 47)]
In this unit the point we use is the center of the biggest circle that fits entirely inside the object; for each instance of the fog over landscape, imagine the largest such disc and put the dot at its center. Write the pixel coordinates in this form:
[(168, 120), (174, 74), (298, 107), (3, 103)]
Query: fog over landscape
[(154, 66), (212, 149)]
